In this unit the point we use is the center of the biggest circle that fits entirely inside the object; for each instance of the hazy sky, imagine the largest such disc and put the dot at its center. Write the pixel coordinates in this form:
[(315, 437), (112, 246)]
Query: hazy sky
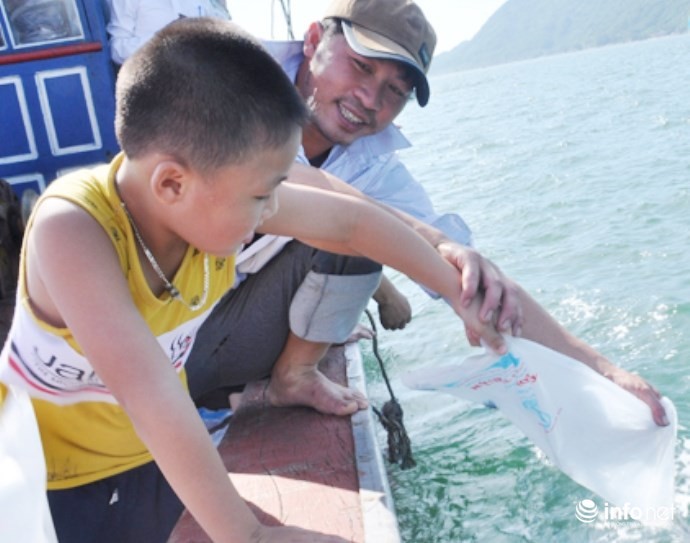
[(454, 20)]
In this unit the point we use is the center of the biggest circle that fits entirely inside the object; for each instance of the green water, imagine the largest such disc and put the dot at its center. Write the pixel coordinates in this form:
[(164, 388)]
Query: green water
[(574, 173)]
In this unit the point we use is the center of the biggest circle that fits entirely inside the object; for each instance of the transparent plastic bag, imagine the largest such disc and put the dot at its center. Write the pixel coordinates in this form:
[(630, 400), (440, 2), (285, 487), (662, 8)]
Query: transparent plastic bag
[(24, 512), (600, 435)]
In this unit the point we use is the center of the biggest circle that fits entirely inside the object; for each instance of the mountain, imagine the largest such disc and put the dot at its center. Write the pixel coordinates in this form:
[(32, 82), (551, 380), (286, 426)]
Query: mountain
[(522, 29)]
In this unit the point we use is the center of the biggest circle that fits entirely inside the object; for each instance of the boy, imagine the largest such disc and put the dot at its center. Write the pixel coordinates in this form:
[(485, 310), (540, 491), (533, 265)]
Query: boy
[(122, 264)]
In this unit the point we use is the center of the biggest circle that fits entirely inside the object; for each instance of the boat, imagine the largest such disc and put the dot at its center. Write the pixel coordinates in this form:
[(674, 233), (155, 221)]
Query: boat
[(56, 89), (298, 467), (292, 465)]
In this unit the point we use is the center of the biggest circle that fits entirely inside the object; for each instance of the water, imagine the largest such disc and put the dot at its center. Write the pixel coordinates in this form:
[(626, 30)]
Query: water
[(574, 173)]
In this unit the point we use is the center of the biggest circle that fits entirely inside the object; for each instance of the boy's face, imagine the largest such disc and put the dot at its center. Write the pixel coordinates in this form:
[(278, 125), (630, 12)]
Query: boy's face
[(349, 95), (233, 201)]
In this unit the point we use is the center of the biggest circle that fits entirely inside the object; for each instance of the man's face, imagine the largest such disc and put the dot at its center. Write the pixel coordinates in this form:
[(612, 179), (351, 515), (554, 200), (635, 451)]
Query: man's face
[(348, 95)]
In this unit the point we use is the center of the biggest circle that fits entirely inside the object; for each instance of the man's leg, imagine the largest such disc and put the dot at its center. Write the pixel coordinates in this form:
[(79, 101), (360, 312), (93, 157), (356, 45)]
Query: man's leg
[(286, 316), (324, 310), (246, 332)]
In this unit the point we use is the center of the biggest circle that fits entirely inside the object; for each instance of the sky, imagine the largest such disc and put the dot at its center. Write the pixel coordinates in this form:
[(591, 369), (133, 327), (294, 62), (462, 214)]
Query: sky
[(453, 20)]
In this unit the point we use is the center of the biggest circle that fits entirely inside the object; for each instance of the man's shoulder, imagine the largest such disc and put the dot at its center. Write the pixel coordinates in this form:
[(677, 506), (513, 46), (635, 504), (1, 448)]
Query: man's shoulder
[(283, 50)]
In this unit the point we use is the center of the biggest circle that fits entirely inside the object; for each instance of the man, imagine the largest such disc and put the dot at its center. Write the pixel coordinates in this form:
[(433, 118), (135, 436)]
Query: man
[(356, 70)]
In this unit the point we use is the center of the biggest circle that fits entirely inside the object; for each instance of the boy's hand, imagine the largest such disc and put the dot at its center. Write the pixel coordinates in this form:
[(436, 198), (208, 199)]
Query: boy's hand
[(478, 331), (480, 276)]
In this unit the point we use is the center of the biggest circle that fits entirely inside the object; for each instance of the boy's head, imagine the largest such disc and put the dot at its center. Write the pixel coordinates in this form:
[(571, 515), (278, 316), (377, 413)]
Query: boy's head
[(207, 93)]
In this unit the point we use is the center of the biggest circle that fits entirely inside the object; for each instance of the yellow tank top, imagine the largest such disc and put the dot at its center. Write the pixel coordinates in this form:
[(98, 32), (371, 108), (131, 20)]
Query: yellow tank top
[(86, 435)]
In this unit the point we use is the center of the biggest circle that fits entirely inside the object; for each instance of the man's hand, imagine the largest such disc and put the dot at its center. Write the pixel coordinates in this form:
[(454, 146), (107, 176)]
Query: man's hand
[(642, 389), (394, 309), (501, 304)]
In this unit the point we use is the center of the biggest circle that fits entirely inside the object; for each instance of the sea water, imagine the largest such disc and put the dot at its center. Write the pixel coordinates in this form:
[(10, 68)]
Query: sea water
[(573, 172)]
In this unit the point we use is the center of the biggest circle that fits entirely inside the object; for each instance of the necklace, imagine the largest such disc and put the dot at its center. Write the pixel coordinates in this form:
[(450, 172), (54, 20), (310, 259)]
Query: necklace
[(172, 289)]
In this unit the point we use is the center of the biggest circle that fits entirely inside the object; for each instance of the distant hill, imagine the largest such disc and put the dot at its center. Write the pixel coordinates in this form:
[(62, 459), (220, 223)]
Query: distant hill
[(522, 29)]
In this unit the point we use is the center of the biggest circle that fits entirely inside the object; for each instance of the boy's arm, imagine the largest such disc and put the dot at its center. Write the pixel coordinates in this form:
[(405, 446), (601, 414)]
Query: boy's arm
[(346, 224), (79, 283)]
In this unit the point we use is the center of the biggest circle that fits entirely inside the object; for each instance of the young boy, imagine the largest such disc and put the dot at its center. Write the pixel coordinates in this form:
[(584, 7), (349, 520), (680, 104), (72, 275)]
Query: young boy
[(122, 264)]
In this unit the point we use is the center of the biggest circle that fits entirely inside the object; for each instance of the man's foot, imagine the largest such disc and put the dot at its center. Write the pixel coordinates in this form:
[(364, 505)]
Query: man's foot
[(308, 386)]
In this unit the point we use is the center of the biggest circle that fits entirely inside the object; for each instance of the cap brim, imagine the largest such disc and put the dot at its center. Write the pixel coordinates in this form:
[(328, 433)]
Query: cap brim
[(372, 45)]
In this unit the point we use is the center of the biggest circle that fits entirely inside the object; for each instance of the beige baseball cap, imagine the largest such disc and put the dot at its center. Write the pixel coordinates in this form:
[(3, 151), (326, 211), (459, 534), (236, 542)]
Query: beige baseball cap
[(389, 29)]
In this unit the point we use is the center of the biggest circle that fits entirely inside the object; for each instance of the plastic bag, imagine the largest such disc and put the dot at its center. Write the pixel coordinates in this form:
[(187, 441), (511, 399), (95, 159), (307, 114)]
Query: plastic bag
[(24, 512), (600, 435)]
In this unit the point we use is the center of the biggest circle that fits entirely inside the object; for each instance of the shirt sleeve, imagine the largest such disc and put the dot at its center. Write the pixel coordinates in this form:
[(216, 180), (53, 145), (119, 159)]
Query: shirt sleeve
[(388, 181), (133, 22)]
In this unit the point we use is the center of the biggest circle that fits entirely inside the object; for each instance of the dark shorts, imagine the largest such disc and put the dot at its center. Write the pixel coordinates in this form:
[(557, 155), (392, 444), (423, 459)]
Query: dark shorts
[(137, 506)]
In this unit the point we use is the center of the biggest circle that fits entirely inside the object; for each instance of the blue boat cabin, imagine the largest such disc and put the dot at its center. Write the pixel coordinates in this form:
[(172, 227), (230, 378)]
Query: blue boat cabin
[(57, 104)]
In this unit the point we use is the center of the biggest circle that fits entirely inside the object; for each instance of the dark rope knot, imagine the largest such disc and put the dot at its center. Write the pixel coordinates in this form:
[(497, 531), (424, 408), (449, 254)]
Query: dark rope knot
[(391, 417), (399, 447)]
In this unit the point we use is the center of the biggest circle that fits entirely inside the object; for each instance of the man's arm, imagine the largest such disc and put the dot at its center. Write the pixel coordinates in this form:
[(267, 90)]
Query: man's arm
[(541, 327), (479, 275)]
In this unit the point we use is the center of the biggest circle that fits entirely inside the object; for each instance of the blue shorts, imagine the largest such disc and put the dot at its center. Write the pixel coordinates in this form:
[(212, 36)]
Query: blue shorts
[(133, 507)]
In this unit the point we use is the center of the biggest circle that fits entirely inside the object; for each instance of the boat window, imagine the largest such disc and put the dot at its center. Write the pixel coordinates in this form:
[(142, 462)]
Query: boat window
[(2, 39), (39, 22)]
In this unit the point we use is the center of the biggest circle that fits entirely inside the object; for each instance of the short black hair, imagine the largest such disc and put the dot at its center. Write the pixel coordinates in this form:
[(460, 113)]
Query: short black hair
[(206, 92)]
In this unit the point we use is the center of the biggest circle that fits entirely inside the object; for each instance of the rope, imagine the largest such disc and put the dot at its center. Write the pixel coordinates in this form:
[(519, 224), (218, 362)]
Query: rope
[(287, 15), (391, 416)]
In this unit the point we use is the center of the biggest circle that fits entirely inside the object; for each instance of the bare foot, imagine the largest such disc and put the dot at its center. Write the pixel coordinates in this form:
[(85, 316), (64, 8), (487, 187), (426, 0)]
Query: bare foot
[(308, 386)]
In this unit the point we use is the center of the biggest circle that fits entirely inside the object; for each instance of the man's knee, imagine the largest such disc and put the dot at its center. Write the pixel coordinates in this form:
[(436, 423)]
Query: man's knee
[(334, 264), (326, 307)]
